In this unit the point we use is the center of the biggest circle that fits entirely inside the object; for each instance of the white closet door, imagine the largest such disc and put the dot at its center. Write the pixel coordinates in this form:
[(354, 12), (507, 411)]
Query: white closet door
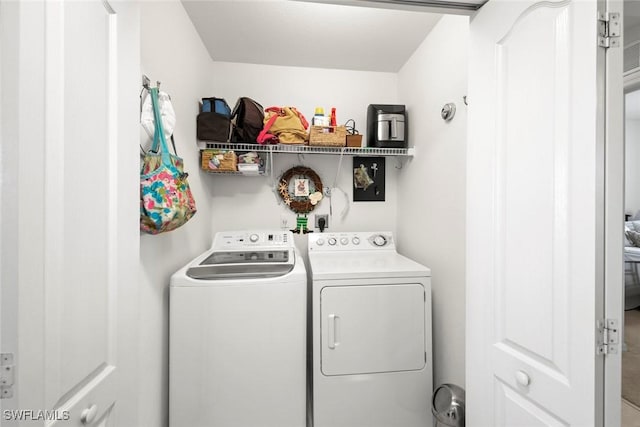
[(81, 207), (68, 239), (535, 164)]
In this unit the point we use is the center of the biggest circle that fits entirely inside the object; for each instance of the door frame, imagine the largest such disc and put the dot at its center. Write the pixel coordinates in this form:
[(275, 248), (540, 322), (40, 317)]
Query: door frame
[(613, 138)]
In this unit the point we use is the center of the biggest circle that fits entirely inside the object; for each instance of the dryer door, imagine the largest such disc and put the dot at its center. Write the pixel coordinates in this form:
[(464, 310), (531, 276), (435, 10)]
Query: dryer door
[(372, 329)]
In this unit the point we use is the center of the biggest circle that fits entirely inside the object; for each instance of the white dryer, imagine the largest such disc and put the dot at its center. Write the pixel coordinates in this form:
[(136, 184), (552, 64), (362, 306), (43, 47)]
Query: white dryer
[(238, 334), (371, 322)]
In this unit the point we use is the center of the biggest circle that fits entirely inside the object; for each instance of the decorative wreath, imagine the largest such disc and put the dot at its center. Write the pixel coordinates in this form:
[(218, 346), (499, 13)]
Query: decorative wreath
[(301, 189)]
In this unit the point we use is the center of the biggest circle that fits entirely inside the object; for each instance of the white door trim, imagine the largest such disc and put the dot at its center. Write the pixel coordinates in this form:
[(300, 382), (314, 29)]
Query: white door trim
[(613, 134)]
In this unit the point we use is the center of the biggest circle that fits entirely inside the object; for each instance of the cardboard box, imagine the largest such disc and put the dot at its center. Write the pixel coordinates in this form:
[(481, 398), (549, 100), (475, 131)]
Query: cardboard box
[(354, 141)]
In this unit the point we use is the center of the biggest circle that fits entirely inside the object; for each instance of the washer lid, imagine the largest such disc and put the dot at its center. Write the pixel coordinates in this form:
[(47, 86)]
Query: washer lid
[(243, 264)]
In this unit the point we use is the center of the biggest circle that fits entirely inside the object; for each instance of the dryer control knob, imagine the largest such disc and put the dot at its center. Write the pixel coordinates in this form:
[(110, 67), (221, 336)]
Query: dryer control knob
[(355, 240), (320, 242), (344, 241), (254, 238), (332, 241), (379, 240)]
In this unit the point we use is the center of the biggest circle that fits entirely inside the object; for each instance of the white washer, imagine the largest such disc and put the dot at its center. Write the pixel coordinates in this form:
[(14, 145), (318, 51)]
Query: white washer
[(238, 334), (372, 363)]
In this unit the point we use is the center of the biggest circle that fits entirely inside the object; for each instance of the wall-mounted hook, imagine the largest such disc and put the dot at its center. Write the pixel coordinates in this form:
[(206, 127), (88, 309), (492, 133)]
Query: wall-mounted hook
[(464, 99), (146, 82)]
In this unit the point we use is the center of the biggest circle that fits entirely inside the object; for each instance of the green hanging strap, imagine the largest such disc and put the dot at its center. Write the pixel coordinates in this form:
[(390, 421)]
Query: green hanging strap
[(158, 134)]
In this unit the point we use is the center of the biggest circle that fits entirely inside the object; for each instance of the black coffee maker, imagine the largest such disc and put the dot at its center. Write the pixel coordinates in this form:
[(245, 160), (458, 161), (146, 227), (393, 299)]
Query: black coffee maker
[(386, 126)]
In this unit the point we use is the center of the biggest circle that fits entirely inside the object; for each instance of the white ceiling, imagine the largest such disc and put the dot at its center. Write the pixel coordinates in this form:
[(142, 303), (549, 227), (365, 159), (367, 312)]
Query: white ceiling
[(293, 33)]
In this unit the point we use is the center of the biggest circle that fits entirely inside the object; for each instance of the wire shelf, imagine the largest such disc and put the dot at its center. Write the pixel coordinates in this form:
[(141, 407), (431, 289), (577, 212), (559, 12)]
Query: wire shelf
[(306, 149), (237, 173)]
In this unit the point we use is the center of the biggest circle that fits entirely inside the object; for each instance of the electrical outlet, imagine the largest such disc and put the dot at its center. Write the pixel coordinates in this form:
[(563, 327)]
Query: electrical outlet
[(326, 220), (284, 221)]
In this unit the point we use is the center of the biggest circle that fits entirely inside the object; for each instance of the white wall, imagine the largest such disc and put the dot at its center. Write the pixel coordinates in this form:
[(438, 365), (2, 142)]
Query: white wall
[(241, 203), (631, 33), (172, 52), (632, 166), (431, 196), (425, 200), (179, 60)]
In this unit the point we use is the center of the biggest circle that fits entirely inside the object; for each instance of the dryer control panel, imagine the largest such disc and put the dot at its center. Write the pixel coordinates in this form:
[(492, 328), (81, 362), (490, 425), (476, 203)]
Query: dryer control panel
[(252, 238), (349, 241)]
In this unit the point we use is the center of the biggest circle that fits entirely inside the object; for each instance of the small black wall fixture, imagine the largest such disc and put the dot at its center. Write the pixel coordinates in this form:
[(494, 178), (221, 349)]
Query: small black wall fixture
[(368, 179)]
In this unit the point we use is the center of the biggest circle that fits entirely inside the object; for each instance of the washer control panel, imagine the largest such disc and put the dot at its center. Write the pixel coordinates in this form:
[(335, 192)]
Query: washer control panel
[(252, 238), (326, 242)]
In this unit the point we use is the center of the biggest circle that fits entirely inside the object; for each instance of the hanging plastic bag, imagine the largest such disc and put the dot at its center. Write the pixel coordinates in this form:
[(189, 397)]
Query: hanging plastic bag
[(168, 114)]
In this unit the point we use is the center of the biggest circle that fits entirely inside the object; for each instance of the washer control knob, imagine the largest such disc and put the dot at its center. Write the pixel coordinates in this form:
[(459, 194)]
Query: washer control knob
[(332, 241), (320, 242), (379, 240), (254, 238), (355, 240), (344, 241)]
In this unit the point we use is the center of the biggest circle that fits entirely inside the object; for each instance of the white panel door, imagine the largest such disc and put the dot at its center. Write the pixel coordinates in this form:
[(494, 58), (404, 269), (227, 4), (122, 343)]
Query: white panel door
[(68, 240), (534, 215), (79, 232), (80, 222), (370, 329)]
